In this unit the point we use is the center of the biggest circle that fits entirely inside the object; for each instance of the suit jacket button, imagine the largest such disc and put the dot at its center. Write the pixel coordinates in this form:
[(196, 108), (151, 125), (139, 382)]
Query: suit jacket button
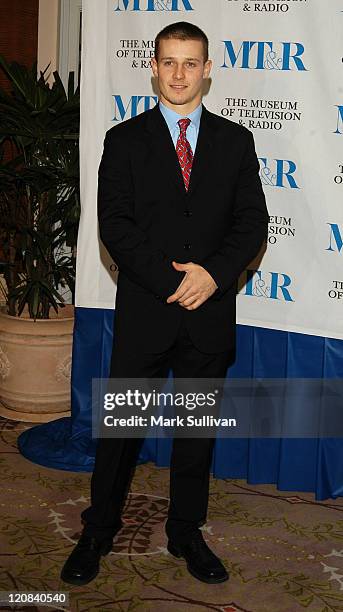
[(187, 213), (187, 246)]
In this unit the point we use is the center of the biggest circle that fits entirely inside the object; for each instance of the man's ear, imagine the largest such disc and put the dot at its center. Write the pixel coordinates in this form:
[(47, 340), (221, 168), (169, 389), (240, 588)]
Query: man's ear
[(207, 69), (154, 67)]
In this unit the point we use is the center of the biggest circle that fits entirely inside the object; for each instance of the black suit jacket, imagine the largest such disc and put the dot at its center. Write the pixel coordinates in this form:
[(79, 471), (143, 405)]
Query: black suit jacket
[(147, 219)]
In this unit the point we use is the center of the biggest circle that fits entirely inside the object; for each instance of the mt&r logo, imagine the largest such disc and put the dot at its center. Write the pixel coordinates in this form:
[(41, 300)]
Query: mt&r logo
[(270, 285), (153, 5), (336, 239), (339, 129), (264, 55), (278, 173), (132, 106)]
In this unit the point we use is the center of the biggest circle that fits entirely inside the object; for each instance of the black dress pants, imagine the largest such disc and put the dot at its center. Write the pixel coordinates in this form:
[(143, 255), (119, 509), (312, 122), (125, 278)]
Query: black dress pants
[(191, 457)]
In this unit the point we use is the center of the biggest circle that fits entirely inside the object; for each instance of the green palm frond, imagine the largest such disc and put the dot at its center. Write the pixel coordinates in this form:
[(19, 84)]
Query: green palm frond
[(39, 188)]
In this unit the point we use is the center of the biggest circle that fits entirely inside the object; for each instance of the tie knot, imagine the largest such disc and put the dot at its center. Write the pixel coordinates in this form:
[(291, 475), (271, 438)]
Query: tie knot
[(183, 125)]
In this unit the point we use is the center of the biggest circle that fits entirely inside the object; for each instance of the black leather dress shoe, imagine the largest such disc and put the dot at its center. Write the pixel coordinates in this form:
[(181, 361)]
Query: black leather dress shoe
[(82, 565), (202, 563)]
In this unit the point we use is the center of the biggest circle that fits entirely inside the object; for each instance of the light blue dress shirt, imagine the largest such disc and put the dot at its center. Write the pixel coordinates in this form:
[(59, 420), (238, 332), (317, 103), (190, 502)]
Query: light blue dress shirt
[(172, 118)]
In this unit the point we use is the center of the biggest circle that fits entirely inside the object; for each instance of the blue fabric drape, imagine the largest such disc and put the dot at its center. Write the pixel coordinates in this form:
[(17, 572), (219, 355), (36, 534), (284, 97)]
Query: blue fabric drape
[(292, 464)]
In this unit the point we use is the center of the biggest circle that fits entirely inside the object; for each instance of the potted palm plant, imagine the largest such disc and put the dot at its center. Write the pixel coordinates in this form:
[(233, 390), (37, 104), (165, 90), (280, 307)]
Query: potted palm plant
[(39, 214)]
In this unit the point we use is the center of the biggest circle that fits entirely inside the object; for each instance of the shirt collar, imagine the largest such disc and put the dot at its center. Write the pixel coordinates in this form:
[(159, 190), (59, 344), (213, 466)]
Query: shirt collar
[(172, 117)]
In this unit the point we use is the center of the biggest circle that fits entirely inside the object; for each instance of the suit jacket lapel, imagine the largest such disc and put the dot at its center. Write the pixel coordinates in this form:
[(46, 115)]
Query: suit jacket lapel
[(203, 152), (164, 146)]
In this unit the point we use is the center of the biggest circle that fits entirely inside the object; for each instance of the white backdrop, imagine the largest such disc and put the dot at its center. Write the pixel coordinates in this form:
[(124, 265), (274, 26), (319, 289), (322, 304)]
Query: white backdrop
[(278, 70)]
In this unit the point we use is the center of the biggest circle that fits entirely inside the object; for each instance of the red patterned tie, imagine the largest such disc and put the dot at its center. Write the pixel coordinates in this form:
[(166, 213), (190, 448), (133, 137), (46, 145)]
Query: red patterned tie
[(184, 152)]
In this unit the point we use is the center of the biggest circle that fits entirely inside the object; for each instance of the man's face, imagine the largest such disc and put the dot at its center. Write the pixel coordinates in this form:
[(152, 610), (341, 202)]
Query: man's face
[(180, 70)]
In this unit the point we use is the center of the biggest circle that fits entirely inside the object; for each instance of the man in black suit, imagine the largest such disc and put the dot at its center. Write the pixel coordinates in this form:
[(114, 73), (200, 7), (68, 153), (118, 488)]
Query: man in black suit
[(182, 212)]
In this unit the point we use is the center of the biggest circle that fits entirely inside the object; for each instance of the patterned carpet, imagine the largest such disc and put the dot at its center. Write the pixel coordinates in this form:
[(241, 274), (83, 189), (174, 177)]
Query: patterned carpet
[(284, 551)]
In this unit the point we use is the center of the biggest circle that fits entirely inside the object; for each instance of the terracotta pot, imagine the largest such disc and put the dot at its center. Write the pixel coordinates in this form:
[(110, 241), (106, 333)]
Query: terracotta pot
[(35, 365)]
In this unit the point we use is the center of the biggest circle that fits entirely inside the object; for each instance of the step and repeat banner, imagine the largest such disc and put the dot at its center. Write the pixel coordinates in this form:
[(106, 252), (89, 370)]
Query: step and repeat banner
[(277, 69)]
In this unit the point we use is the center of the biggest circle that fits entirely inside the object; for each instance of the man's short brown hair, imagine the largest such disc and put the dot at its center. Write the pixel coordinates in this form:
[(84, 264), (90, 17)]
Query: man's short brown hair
[(182, 31)]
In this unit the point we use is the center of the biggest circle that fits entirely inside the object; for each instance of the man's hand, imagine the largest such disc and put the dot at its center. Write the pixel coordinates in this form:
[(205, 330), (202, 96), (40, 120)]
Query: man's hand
[(195, 288)]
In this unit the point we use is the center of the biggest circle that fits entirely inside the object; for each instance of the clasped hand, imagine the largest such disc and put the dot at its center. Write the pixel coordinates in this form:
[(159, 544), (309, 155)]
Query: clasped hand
[(195, 288)]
